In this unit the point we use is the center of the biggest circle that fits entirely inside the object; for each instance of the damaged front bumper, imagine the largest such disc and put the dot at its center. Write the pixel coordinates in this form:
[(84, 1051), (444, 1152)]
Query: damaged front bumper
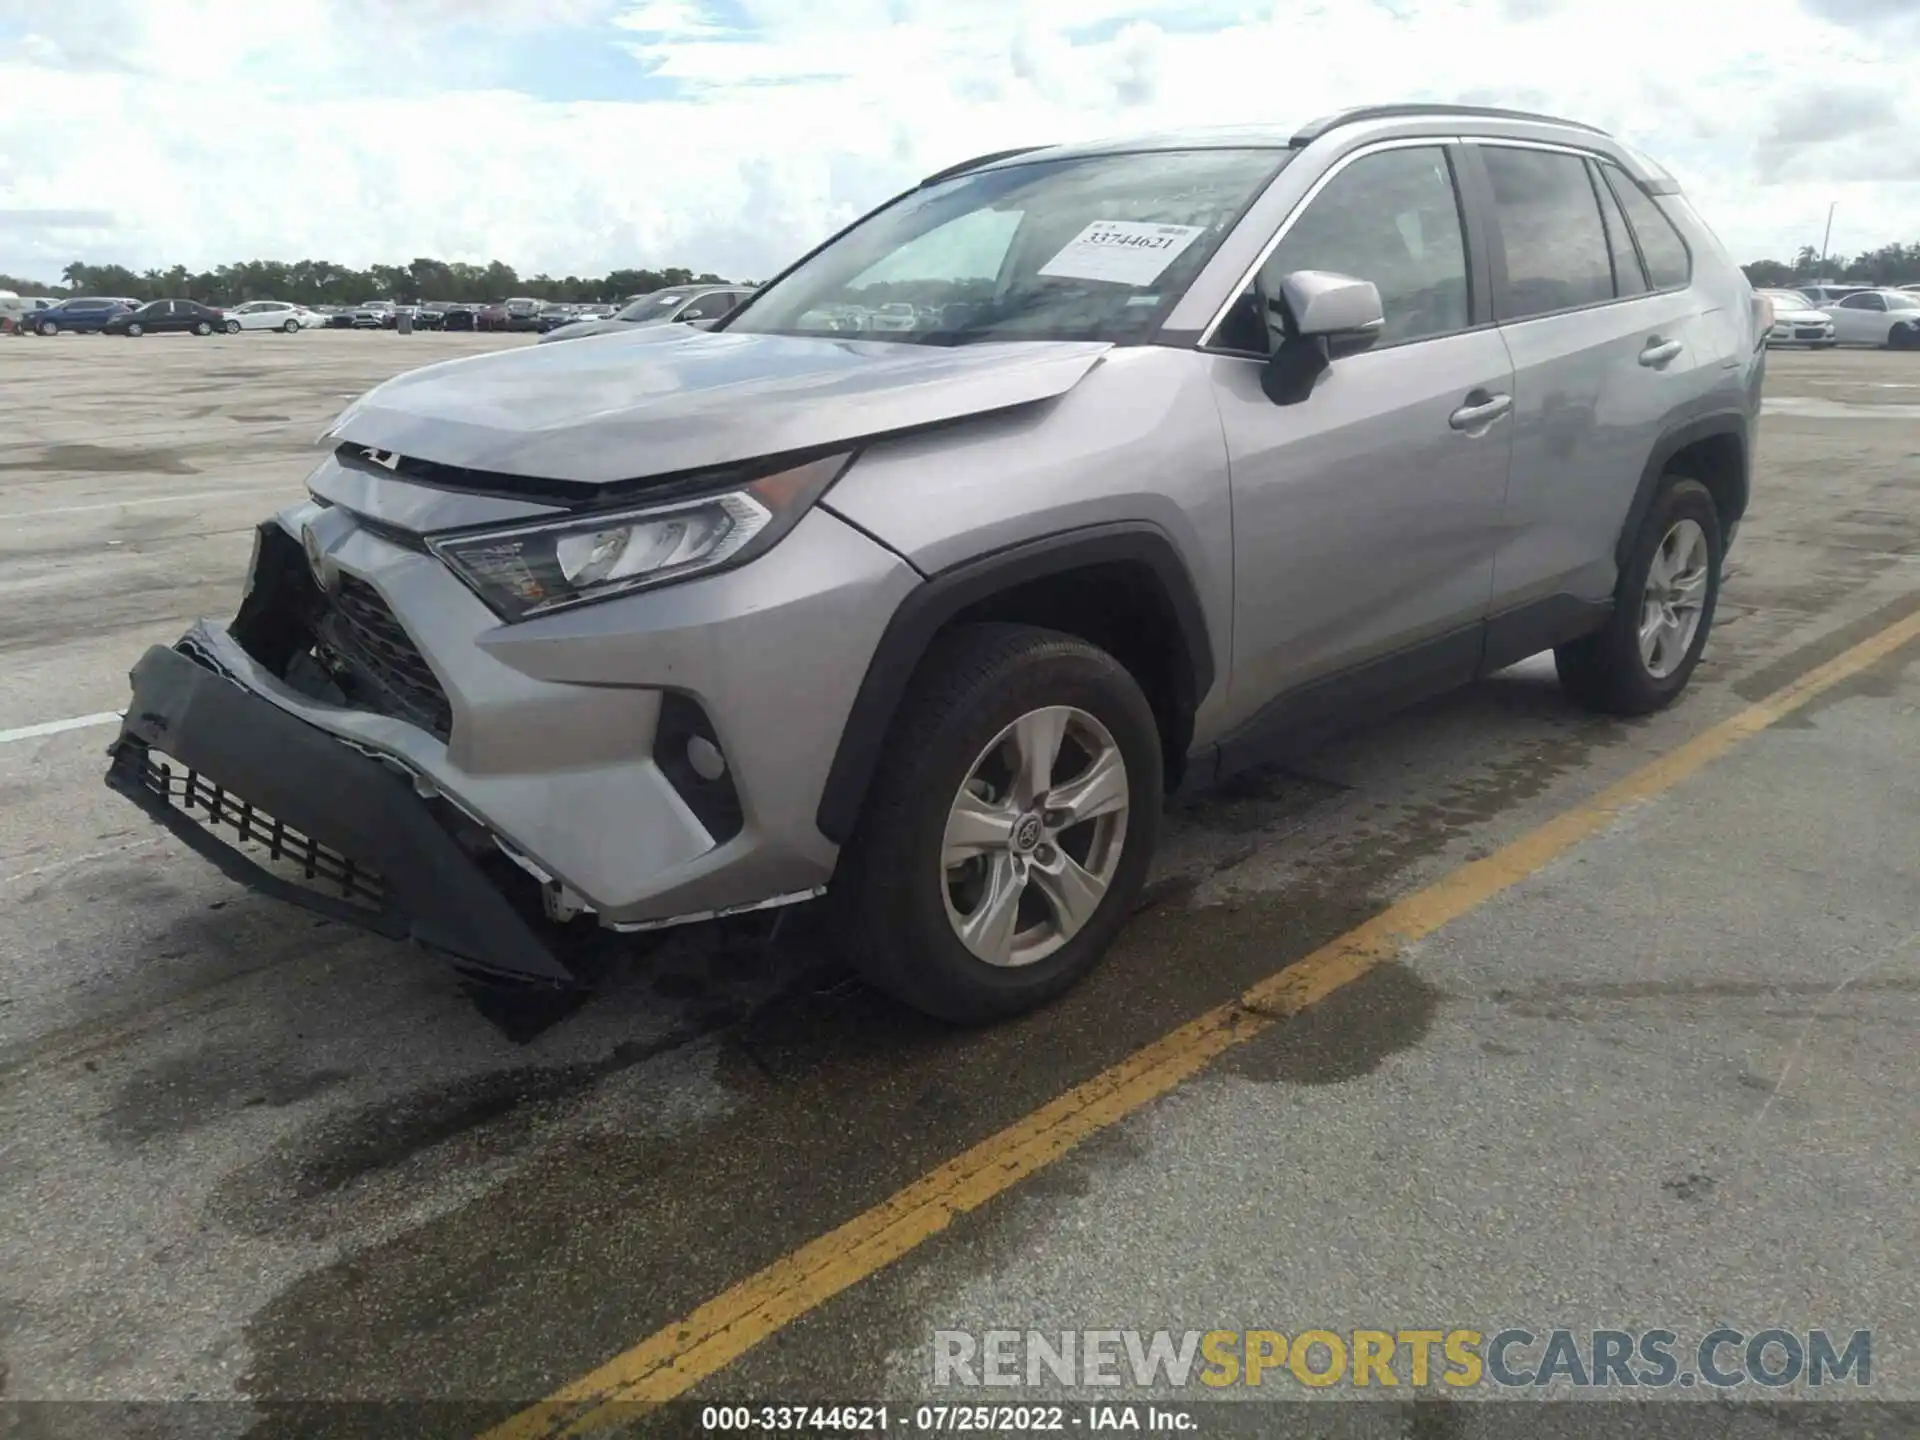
[(297, 814)]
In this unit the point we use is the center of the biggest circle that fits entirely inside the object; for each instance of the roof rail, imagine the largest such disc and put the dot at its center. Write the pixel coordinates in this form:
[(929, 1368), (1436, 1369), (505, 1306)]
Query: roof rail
[(1315, 129), (976, 162)]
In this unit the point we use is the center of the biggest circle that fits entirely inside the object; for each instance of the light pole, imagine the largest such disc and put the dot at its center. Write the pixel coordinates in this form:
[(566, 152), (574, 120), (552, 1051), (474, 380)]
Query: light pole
[(1827, 239)]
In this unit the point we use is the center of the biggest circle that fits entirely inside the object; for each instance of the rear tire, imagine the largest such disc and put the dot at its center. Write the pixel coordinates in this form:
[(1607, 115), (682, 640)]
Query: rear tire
[(1611, 670), (1903, 337), (901, 900), (135, 331), (292, 327), (203, 328)]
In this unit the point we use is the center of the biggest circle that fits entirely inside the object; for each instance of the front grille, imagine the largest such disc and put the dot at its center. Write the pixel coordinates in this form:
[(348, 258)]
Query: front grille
[(270, 843), (384, 669), (1810, 332)]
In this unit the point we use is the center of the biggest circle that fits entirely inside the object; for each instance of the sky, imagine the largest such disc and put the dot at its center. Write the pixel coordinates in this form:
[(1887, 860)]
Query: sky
[(580, 136)]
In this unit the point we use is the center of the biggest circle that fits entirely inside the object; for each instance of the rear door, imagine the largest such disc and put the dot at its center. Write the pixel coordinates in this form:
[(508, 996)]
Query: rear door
[(1606, 356), (1365, 516), (1861, 319)]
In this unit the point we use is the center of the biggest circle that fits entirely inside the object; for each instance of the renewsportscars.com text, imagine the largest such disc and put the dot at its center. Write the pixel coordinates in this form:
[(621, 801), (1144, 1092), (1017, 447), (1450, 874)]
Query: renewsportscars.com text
[(1511, 1358)]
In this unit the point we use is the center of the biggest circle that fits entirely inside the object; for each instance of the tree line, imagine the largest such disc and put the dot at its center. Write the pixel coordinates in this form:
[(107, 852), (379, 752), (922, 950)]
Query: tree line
[(321, 282), (1890, 265)]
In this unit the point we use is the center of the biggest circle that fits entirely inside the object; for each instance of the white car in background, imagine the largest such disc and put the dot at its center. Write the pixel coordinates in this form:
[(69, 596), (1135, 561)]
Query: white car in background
[(1797, 321), (1823, 294), (1879, 317), (271, 315)]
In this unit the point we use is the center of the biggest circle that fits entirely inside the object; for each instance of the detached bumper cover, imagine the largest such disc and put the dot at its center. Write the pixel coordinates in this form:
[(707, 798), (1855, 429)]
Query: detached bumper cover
[(294, 813)]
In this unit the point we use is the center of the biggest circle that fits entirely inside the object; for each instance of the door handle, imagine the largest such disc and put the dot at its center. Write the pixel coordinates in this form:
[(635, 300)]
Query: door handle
[(1480, 411), (1659, 352)]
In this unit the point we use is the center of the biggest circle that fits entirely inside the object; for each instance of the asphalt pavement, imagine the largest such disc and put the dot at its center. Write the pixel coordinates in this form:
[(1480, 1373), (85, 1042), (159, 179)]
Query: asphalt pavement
[(1665, 1079)]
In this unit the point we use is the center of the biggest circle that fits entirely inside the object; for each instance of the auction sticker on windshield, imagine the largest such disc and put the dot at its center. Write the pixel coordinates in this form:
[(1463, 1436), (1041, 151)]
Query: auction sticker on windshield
[(1126, 252)]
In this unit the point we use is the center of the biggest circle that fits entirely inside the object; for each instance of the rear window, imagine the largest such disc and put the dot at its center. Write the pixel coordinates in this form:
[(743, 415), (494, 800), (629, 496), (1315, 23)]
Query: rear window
[(1556, 245), (1668, 264)]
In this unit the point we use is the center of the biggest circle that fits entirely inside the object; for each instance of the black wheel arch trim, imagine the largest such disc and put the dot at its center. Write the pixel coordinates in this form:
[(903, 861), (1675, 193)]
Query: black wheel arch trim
[(1731, 422), (946, 593)]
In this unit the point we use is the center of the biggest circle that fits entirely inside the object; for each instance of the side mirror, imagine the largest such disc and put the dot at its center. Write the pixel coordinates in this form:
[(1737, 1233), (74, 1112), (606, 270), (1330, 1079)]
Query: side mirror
[(1346, 311), (1318, 317)]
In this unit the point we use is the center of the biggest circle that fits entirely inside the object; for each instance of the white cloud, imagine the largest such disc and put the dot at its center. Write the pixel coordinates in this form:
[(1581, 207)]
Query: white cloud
[(367, 130)]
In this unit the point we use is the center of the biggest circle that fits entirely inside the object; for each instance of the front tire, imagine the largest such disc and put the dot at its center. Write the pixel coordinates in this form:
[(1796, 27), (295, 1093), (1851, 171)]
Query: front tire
[(233, 327), (1903, 337), (203, 328), (1641, 660), (1009, 828), (135, 331), (49, 328)]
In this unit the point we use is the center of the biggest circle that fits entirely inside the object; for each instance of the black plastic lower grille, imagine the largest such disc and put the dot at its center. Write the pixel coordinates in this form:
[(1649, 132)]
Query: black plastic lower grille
[(387, 671), (269, 842)]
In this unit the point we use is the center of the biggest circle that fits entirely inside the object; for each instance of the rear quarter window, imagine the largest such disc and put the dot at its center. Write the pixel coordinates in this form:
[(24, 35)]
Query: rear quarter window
[(1669, 265)]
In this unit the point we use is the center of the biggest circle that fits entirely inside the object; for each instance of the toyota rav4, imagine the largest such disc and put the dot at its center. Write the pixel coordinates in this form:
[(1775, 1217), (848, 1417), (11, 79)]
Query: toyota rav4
[(1191, 446)]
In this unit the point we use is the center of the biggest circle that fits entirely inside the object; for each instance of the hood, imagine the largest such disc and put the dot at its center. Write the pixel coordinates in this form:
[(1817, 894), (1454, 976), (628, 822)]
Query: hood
[(660, 399), (577, 329)]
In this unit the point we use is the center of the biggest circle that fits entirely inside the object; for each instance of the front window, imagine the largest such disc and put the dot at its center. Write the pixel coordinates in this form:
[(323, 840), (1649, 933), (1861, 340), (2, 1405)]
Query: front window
[(657, 306), (1090, 248)]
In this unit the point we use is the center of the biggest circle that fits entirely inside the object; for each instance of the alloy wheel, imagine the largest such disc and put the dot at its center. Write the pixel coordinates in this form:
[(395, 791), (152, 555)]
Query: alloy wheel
[(1674, 598), (1034, 836)]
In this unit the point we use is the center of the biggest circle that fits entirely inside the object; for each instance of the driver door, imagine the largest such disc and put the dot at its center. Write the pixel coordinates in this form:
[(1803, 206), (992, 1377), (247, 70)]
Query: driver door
[(1367, 515)]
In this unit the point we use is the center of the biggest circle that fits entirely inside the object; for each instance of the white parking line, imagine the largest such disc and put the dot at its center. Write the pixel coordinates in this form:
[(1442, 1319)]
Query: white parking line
[(55, 727), (145, 500)]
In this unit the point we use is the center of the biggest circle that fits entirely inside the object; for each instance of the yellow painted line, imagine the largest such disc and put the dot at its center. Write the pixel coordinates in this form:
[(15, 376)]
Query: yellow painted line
[(674, 1359)]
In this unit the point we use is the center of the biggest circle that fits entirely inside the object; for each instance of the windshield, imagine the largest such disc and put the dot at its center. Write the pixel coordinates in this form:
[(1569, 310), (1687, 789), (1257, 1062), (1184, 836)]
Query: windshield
[(1898, 301), (656, 306), (1089, 248)]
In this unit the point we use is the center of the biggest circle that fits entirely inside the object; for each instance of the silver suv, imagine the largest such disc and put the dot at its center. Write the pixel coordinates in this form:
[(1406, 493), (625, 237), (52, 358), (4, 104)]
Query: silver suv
[(1194, 445)]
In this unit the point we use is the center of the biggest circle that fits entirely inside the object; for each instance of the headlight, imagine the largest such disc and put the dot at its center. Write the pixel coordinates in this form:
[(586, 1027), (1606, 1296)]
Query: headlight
[(531, 570)]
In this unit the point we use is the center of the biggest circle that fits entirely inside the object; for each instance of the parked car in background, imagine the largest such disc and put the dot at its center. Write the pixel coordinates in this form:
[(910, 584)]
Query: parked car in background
[(1797, 322), (373, 315), (82, 315), (492, 316), (431, 315), (279, 315), (17, 312), (1824, 294), (554, 316), (161, 317), (523, 313), (1247, 440), (1879, 317), (339, 317), (678, 304), (458, 317)]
